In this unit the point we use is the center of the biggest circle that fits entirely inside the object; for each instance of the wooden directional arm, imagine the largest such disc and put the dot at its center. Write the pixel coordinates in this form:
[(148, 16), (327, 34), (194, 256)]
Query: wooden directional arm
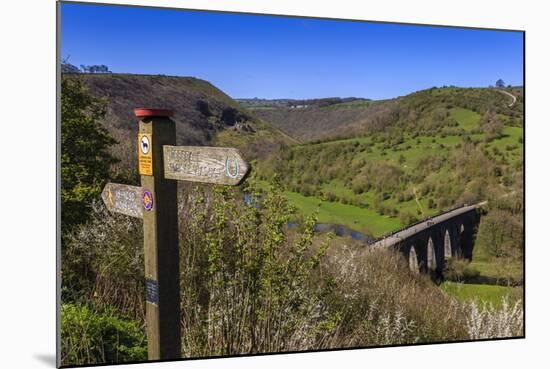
[(217, 165), (123, 199)]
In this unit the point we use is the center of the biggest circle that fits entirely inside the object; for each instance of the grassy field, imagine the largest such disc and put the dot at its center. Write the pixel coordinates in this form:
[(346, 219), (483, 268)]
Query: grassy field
[(467, 119), (483, 292), (510, 146), (367, 198), (360, 219), (492, 270)]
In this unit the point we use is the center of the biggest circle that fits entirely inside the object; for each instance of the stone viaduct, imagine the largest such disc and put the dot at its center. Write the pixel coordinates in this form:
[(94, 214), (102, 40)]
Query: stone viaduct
[(429, 243)]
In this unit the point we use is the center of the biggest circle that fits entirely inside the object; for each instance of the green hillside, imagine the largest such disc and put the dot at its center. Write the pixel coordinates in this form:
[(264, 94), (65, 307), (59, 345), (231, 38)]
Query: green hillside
[(357, 117), (434, 156)]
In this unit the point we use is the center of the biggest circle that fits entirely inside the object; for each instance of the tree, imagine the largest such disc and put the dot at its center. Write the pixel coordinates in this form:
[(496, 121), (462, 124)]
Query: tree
[(491, 125), (500, 83), (501, 234), (69, 68), (85, 156), (94, 68)]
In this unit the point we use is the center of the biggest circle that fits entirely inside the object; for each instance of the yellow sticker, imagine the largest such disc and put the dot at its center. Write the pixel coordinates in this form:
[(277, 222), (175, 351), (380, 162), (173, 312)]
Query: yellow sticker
[(145, 154)]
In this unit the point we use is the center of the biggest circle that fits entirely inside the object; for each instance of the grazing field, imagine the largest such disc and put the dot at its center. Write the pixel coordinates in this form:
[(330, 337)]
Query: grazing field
[(360, 219), (499, 271), (509, 147), (467, 119), (483, 292)]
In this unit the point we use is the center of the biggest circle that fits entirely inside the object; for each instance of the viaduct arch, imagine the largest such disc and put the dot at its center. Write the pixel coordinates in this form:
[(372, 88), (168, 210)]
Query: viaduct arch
[(429, 243)]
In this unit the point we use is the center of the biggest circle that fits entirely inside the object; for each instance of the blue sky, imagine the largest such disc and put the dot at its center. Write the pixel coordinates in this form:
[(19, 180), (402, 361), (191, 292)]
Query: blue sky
[(281, 57)]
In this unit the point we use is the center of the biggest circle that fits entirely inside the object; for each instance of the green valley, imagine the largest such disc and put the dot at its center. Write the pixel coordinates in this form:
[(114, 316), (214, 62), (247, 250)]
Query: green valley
[(433, 150)]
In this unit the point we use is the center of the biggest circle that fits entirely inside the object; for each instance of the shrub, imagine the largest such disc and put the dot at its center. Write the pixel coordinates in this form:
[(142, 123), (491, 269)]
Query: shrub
[(330, 196), (400, 197), (360, 184), (248, 283), (381, 302), (500, 232), (485, 321), (92, 337), (102, 261), (407, 218), (459, 270), (85, 155)]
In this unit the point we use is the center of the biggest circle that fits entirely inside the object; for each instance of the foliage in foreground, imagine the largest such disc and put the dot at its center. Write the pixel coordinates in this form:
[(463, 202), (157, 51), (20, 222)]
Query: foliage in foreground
[(486, 321), (85, 156), (92, 337), (102, 263), (247, 284), (251, 285)]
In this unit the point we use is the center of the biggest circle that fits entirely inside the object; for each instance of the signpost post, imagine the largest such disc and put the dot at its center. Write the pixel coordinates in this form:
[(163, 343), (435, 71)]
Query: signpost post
[(160, 235), (161, 164)]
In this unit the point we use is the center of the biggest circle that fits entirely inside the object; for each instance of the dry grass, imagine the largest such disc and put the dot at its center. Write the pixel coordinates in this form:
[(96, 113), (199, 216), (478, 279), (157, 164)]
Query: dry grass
[(486, 321)]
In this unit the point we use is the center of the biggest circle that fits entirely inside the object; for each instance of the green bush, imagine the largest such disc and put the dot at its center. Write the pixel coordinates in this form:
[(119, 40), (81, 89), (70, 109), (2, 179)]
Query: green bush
[(407, 218), (85, 155), (250, 284), (92, 337), (459, 270)]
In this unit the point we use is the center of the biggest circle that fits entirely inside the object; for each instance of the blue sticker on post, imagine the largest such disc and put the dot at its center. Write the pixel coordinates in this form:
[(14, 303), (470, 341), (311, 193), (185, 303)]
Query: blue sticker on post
[(152, 291), (147, 200)]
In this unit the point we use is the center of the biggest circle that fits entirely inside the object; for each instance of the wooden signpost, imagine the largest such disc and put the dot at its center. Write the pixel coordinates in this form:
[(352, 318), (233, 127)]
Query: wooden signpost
[(161, 164)]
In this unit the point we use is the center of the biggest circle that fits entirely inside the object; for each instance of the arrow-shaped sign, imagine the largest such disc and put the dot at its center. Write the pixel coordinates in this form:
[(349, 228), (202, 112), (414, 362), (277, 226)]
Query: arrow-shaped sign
[(123, 199), (220, 165)]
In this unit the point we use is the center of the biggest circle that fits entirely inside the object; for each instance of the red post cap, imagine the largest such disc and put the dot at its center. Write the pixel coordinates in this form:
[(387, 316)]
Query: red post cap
[(148, 112)]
